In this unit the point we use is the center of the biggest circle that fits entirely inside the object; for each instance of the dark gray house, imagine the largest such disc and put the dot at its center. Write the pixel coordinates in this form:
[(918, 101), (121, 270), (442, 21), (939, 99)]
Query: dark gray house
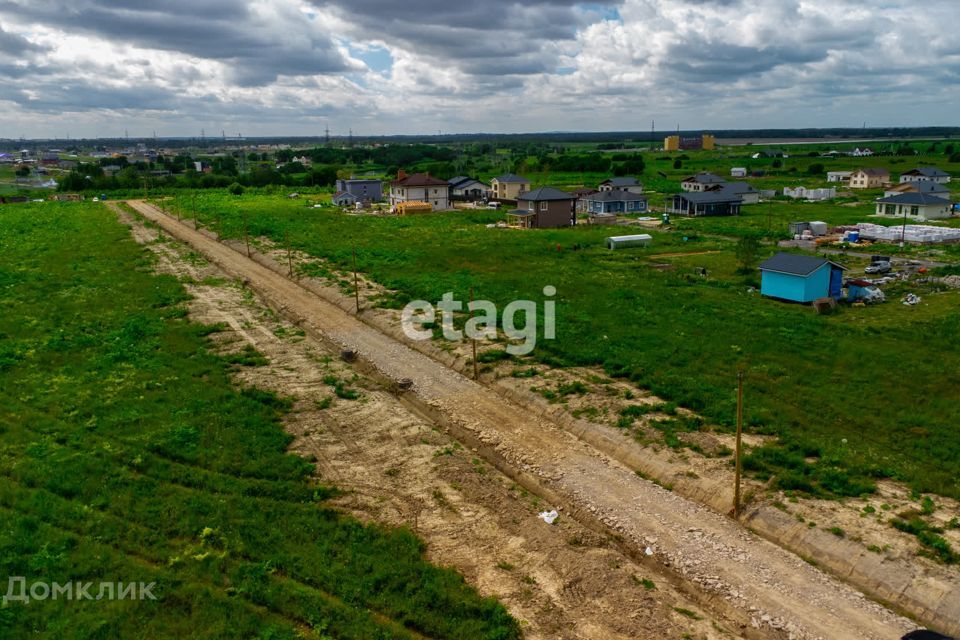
[(710, 203), (362, 189), (544, 208), (747, 193), (467, 188)]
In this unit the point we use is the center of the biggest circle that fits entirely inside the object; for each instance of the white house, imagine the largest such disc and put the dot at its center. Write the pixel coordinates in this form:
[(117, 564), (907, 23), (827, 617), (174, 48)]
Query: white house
[(925, 174), (738, 172), (624, 183), (915, 206), (420, 187), (839, 176), (700, 182)]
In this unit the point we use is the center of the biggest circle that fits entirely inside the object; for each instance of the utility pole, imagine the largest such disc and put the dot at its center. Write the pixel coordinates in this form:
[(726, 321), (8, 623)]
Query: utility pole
[(286, 241), (246, 233), (356, 281), (739, 451), (473, 339), (196, 223)]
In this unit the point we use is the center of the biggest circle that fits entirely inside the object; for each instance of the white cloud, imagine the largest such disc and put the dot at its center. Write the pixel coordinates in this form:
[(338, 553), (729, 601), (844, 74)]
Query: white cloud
[(291, 66)]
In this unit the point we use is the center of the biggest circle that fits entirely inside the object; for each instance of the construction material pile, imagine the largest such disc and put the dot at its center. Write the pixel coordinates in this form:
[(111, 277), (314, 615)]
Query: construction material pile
[(915, 233)]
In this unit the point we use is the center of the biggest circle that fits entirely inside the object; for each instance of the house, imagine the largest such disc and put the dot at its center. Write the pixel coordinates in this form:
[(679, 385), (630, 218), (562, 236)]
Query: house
[(700, 182), (466, 188), (804, 193), (915, 206), (747, 193), (625, 183), (869, 178), (303, 160), (788, 276), (928, 187), (345, 199), (509, 186), (738, 172), (610, 203), (364, 190), (420, 187), (925, 174), (544, 208), (866, 152), (581, 196), (712, 203), (839, 176)]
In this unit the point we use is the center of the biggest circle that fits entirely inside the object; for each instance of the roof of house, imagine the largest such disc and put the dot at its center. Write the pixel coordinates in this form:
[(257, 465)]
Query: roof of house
[(704, 178), (419, 180), (794, 264), (360, 180), (859, 283), (734, 187), (710, 197), (624, 181), (510, 177), (873, 172), (462, 181), (915, 199), (342, 194), (929, 172), (545, 193), (616, 195), (922, 186)]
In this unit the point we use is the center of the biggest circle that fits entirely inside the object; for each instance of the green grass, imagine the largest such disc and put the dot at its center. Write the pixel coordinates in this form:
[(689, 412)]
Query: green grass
[(126, 454), (831, 387)]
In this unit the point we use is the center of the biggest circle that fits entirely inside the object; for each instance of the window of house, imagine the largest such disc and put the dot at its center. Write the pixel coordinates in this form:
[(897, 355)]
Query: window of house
[(543, 206), (891, 209), (914, 211)]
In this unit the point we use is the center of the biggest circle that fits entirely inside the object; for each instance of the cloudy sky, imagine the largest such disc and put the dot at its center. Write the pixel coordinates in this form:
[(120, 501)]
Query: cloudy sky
[(292, 67)]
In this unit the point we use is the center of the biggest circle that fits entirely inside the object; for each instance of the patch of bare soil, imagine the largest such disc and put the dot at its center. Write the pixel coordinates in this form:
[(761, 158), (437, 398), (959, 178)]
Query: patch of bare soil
[(561, 580)]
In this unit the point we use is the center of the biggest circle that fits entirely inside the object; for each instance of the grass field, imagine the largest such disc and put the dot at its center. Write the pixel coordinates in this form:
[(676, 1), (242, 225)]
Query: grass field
[(860, 395), (126, 454)]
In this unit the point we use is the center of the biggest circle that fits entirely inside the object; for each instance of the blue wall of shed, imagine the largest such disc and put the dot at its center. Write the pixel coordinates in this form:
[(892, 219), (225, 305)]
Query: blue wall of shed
[(797, 288)]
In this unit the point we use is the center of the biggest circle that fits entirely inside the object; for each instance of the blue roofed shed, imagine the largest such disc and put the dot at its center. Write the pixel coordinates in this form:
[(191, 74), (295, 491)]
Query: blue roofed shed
[(797, 278)]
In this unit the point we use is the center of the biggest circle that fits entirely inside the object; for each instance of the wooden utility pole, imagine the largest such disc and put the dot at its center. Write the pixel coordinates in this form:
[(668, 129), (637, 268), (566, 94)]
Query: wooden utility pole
[(196, 222), (739, 451), (246, 233), (473, 339), (286, 241), (356, 281)]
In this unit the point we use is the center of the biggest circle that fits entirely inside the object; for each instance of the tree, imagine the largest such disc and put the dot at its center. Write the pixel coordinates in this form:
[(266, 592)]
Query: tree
[(678, 164), (236, 189), (748, 251), (777, 163), (815, 169)]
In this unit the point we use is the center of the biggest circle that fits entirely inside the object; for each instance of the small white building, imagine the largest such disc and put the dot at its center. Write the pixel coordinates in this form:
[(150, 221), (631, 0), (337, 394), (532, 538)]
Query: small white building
[(839, 176), (915, 206), (738, 172), (803, 193), (925, 174)]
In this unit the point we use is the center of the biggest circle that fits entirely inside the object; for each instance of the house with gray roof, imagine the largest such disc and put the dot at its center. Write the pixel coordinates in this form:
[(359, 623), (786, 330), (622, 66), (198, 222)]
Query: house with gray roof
[(621, 183), (509, 186), (700, 182), (364, 190), (925, 186), (544, 208), (747, 193), (915, 206), (610, 203), (710, 203), (467, 188), (925, 174)]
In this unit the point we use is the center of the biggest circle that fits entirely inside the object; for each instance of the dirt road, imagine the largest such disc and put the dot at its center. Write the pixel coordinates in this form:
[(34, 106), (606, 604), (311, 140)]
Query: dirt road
[(734, 573)]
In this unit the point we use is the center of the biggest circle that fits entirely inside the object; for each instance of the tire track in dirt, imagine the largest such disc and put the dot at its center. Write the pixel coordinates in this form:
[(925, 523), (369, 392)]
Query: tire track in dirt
[(732, 571)]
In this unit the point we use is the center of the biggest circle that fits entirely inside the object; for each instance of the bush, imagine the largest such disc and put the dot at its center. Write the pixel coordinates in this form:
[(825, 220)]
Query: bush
[(236, 189)]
